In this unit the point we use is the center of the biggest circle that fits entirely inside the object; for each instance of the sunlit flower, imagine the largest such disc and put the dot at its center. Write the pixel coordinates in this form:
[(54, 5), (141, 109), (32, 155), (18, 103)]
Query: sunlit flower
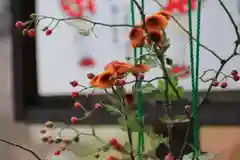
[(140, 68), (118, 68), (103, 80), (156, 22), (155, 36), (166, 14), (136, 37)]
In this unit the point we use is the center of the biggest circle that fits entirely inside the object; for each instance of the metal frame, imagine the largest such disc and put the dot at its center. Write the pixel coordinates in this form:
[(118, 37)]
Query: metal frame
[(223, 107)]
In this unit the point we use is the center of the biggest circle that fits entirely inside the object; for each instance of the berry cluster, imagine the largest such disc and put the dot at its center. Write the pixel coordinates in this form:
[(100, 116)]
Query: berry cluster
[(31, 32), (234, 75), (62, 141)]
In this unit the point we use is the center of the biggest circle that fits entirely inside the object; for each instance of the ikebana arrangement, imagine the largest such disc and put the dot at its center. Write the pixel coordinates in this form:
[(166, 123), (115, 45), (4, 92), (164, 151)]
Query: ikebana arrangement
[(150, 42)]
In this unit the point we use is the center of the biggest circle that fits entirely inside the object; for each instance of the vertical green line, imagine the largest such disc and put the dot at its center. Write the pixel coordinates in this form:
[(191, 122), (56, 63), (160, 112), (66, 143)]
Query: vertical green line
[(196, 129)]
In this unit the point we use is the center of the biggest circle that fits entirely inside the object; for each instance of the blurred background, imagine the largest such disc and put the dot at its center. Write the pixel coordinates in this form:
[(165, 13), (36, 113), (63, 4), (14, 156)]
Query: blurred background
[(28, 135)]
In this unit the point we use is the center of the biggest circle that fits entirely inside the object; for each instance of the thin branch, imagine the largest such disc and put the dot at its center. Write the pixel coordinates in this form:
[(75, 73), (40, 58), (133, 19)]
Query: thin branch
[(230, 18), (186, 31), (21, 147), (87, 20)]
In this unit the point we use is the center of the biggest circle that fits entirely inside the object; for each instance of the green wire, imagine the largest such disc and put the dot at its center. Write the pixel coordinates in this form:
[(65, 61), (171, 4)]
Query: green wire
[(139, 94), (195, 129), (193, 76)]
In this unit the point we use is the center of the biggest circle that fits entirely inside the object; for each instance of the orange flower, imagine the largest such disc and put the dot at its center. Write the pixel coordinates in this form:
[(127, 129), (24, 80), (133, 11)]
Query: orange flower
[(156, 22), (103, 80), (118, 68), (140, 68), (136, 37), (164, 13), (155, 35)]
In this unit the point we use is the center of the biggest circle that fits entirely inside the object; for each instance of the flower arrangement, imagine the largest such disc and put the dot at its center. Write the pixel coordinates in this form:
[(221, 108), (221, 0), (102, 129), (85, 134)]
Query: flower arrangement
[(148, 34)]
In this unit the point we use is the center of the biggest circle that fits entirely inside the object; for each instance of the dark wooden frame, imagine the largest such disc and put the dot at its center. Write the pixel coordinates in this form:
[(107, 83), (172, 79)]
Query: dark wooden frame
[(223, 108)]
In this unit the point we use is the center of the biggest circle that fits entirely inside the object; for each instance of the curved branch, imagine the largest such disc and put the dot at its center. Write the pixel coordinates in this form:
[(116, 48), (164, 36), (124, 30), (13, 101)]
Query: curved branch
[(21, 147)]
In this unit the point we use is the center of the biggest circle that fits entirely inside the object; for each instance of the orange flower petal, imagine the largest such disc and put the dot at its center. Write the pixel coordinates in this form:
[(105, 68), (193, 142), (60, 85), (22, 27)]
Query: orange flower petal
[(156, 22), (136, 37), (103, 80), (166, 14), (140, 68), (118, 68), (155, 35)]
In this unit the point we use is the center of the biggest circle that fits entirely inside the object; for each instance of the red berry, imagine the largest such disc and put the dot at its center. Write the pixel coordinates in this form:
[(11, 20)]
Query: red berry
[(113, 141), (236, 78), (48, 32), (74, 120), (63, 147), (57, 152), (19, 24), (74, 94), (111, 158), (234, 72), (140, 76), (98, 105), (121, 82), (224, 85), (74, 83), (31, 32), (50, 140), (169, 156), (77, 105), (90, 75), (215, 83)]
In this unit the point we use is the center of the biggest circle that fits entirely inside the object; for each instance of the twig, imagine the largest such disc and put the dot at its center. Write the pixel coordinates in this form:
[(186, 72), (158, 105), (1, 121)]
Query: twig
[(87, 20), (230, 18), (21, 147), (186, 31)]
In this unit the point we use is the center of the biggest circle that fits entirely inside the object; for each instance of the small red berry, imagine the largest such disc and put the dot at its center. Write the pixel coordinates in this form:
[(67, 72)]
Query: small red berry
[(74, 94), (224, 85), (111, 158), (63, 147), (57, 152), (118, 147), (234, 72), (215, 83), (98, 105), (140, 76), (77, 105), (74, 120), (31, 33), (19, 24), (121, 82), (74, 83), (48, 32), (113, 141), (236, 78), (90, 75), (50, 140), (169, 156)]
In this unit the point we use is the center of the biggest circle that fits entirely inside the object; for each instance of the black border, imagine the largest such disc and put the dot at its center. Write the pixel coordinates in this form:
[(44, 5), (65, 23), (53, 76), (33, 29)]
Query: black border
[(31, 108)]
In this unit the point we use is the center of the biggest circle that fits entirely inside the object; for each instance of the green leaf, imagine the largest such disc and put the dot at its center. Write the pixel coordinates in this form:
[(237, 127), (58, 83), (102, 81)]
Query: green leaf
[(172, 94), (164, 118), (132, 122), (180, 117), (161, 84), (174, 80), (147, 88), (158, 95), (112, 109), (84, 32)]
